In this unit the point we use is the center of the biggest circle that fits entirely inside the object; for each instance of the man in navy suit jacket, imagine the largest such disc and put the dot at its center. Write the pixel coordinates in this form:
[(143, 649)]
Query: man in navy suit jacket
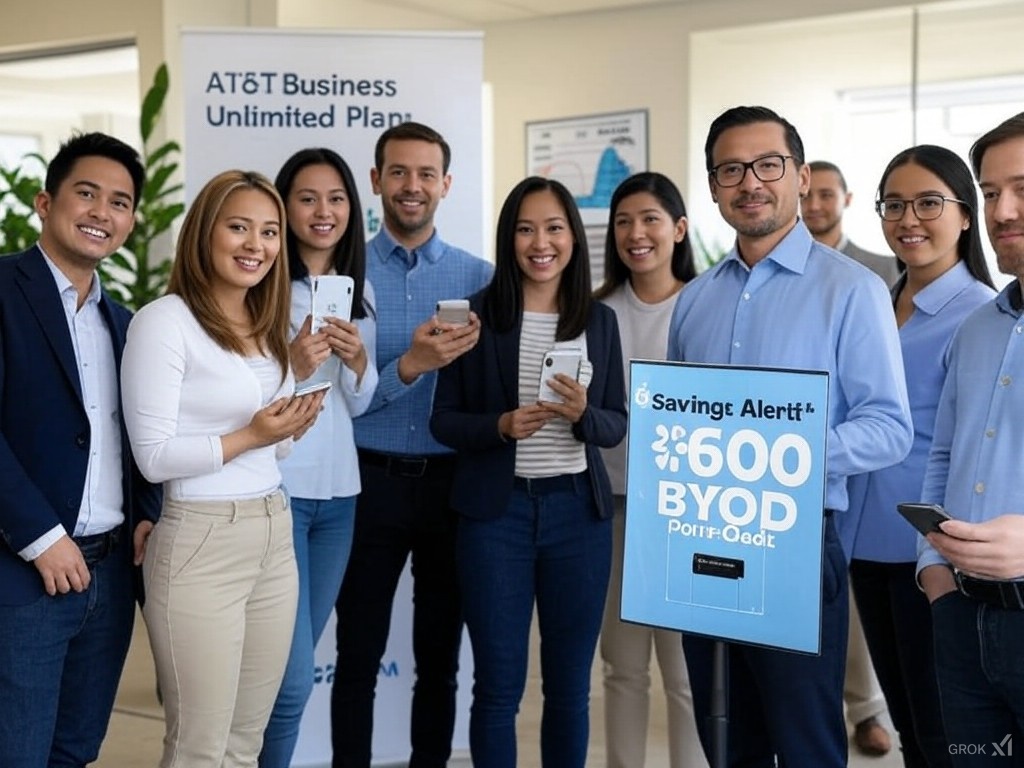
[(70, 497)]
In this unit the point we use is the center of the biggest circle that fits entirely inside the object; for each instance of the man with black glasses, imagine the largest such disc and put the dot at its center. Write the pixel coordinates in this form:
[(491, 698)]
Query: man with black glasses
[(781, 299)]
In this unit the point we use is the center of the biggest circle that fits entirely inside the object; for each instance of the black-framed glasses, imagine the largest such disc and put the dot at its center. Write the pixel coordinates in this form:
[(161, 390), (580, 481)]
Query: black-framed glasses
[(926, 207), (767, 168)]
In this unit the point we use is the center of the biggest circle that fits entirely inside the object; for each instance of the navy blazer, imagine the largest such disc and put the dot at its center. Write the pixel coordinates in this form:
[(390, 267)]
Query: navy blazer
[(475, 389), (44, 429)]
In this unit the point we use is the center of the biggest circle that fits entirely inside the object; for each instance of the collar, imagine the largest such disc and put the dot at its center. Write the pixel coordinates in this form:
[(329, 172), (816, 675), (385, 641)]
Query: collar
[(938, 293), (64, 285), (1010, 300), (791, 253), (386, 246)]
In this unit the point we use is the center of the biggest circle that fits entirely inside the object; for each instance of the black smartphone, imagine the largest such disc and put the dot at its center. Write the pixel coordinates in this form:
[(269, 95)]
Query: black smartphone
[(924, 517)]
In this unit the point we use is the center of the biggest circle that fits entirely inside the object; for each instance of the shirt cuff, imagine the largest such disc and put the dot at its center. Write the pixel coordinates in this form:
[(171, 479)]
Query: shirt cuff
[(43, 543)]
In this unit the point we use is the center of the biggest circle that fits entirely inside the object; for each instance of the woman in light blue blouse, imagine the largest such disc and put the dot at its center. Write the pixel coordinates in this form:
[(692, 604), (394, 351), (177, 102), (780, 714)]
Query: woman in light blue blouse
[(324, 236), (928, 206)]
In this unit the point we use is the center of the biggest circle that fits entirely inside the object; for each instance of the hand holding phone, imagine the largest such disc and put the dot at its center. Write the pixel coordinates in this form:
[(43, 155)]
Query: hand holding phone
[(924, 517), (562, 360)]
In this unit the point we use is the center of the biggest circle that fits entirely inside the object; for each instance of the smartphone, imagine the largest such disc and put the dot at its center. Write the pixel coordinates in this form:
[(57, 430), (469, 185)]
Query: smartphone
[(453, 311), (309, 389), (924, 517), (565, 360), (332, 297)]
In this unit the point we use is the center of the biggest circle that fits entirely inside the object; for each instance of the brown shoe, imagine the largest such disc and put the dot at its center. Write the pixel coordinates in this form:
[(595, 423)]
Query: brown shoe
[(871, 737)]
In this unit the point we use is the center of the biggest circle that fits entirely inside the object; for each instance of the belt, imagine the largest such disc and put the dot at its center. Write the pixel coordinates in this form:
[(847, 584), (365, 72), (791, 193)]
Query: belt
[(1002, 594), (96, 547), (540, 486), (401, 465)]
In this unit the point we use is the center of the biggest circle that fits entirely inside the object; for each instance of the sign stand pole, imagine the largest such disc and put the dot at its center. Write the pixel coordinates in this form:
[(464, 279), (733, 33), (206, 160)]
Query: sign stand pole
[(718, 720)]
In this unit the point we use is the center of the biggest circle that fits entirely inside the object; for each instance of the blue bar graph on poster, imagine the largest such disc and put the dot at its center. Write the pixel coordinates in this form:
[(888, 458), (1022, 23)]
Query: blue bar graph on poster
[(725, 488)]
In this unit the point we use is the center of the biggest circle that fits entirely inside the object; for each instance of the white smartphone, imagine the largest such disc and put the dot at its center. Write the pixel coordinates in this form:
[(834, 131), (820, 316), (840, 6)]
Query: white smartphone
[(309, 389), (565, 360), (332, 297), (453, 311)]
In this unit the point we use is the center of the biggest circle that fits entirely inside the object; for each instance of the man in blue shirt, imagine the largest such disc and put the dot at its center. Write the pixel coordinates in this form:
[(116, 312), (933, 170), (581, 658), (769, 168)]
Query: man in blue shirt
[(973, 570), (406, 475), (781, 299)]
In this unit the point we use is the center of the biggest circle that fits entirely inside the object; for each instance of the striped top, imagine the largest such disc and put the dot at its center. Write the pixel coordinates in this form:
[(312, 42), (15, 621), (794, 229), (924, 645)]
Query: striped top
[(551, 450)]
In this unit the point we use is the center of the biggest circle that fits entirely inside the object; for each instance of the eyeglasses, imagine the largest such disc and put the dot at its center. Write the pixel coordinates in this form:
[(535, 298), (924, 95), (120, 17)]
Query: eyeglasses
[(926, 207), (767, 168)]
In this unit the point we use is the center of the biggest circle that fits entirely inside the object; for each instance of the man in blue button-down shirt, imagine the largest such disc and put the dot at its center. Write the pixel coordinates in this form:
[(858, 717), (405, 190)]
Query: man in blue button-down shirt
[(781, 299), (406, 475), (975, 471)]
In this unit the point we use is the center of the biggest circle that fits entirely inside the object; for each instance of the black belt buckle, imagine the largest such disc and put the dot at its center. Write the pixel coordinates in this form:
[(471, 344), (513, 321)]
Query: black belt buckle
[(95, 548), (407, 466), (1002, 594)]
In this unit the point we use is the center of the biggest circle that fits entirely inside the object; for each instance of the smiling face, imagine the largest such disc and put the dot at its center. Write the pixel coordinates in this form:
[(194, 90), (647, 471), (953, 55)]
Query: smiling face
[(928, 248), (543, 241), (411, 183), (245, 242), (761, 212), (823, 205), (646, 235), (318, 209), (89, 216), (1002, 188)]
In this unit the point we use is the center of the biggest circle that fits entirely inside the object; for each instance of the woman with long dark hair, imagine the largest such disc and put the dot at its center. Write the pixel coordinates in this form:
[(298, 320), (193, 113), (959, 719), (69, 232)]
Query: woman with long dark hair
[(929, 215), (531, 489)]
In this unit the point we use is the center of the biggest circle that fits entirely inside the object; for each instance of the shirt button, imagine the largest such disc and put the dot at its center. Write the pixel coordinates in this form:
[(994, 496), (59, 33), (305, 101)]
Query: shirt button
[(736, 345), (990, 433), (1019, 329), (1005, 381), (979, 487), (746, 296)]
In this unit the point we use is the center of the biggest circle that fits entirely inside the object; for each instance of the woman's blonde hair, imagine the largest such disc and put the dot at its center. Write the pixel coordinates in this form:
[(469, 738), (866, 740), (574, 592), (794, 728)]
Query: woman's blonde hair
[(192, 274)]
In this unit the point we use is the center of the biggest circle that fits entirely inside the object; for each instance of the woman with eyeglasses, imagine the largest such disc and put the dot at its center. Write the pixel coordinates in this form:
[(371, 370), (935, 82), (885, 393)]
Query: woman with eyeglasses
[(928, 207)]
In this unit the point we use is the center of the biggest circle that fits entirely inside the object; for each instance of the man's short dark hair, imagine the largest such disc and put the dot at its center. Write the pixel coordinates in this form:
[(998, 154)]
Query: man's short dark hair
[(737, 116), (412, 131), (825, 165), (1011, 128), (94, 145)]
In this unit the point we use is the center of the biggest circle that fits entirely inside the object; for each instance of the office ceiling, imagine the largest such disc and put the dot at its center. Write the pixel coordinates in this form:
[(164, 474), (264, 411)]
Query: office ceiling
[(492, 11)]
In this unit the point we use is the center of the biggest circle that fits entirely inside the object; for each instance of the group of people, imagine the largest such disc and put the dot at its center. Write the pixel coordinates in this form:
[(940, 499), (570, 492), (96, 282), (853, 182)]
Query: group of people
[(175, 441)]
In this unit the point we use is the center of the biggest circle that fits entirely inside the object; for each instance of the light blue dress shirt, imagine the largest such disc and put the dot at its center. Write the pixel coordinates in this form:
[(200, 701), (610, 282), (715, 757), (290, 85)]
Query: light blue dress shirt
[(806, 306), (323, 464), (977, 456), (408, 285), (873, 529)]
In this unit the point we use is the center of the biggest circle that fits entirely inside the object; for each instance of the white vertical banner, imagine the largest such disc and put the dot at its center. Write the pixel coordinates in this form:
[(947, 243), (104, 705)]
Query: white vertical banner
[(254, 96)]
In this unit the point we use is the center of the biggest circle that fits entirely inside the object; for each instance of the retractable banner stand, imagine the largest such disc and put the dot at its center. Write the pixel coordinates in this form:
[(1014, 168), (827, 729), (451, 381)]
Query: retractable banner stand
[(725, 490), (255, 96)]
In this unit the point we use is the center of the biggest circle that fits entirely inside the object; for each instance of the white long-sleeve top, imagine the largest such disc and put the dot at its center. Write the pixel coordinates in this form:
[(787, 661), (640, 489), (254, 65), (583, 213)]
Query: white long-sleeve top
[(323, 464), (182, 392)]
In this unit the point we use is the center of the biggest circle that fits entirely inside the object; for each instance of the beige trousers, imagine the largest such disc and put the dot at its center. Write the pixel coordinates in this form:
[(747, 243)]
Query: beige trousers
[(626, 653), (861, 691), (221, 591)]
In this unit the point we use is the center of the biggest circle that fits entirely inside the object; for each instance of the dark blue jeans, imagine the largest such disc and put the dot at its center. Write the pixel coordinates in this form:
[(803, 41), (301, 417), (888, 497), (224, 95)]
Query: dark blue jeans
[(898, 629), (60, 662), (398, 514), (549, 548), (784, 705), (979, 656)]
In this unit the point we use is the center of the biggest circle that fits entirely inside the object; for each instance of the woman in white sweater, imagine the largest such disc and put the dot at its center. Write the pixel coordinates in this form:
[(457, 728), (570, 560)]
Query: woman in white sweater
[(647, 260), (209, 409)]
